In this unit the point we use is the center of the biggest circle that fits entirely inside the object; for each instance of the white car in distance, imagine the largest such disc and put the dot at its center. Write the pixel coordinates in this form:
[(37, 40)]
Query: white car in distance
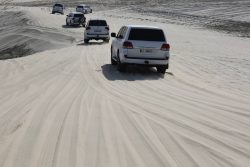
[(140, 45), (83, 9), (96, 29), (75, 18)]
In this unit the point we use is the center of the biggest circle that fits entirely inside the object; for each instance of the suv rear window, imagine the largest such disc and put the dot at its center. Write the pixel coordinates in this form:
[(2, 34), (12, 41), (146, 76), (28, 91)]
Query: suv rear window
[(59, 5), (79, 6), (78, 15), (143, 34), (97, 23)]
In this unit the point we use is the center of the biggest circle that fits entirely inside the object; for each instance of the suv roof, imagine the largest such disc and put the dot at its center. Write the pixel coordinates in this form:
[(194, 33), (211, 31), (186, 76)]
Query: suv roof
[(76, 13), (142, 26), (58, 4), (82, 5)]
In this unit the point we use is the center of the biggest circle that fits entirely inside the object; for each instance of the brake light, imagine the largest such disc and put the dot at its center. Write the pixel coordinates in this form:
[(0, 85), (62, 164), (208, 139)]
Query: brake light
[(88, 28), (107, 28), (127, 45), (165, 47)]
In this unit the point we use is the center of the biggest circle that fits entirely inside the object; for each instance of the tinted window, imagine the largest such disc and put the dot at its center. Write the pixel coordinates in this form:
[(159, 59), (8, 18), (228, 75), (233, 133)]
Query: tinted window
[(78, 15), (59, 5), (141, 34), (119, 35), (97, 23), (79, 6), (124, 32)]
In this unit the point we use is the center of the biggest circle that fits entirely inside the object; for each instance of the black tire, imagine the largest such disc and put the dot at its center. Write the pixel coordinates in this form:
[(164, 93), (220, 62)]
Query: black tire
[(67, 24), (161, 69), (53, 12), (106, 40), (113, 62), (121, 67), (86, 41)]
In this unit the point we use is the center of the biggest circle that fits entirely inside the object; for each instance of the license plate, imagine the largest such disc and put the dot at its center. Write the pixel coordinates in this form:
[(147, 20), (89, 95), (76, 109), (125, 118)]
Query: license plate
[(146, 50), (97, 30)]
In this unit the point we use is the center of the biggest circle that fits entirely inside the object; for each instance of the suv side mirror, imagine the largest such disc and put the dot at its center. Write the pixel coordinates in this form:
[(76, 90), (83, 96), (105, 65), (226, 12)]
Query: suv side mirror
[(113, 34)]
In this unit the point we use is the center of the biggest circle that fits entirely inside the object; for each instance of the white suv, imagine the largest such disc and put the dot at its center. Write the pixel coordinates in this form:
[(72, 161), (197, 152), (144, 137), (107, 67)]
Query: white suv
[(84, 9), (75, 18), (142, 45), (96, 29)]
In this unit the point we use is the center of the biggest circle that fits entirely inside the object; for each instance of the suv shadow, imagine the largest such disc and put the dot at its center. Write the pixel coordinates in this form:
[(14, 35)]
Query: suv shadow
[(72, 26), (132, 73), (92, 43)]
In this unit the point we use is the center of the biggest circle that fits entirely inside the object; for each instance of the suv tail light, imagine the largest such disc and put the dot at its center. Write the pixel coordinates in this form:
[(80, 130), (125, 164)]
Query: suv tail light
[(107, 28), (165, 47), (87, 28), (127, 45)]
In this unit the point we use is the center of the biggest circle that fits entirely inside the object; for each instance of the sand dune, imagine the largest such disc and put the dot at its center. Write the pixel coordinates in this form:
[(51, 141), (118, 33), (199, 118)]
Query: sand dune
[(70, 107), (21, 34)]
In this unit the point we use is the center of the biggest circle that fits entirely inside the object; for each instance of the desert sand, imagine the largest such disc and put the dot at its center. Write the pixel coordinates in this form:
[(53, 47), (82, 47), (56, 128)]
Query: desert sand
[(67, 106)]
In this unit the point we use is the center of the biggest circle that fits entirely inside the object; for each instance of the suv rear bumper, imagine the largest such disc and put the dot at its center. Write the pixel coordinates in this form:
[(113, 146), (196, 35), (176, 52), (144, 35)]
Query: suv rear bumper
[(145, 61), (57, 11), (96, 36)]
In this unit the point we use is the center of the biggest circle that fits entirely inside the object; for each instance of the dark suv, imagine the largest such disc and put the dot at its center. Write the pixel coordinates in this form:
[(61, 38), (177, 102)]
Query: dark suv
[(58, 8)]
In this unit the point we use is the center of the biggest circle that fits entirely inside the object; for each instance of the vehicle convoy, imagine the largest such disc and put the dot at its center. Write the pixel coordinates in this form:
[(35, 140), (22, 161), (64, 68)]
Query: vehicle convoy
[(96, 29), (83, 9), (75, 18), (140, 45), (58, 8)]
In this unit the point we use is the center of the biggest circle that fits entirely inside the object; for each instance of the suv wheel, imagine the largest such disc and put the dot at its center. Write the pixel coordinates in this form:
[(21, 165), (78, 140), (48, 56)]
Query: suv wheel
[(106, 40), (162, 69), (86, 41), (120, 66)]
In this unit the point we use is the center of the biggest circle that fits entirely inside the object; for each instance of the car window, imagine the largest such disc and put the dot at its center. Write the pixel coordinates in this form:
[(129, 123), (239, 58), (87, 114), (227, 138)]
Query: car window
[(97, 23), (78, 15), (143, 34), (59, 5), (124, 32), (120, 33), (79, 6)]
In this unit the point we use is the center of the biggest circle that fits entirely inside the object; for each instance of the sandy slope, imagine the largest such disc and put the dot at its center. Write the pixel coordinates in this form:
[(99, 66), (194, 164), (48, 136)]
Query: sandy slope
[(23, 34), (70, 107)]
